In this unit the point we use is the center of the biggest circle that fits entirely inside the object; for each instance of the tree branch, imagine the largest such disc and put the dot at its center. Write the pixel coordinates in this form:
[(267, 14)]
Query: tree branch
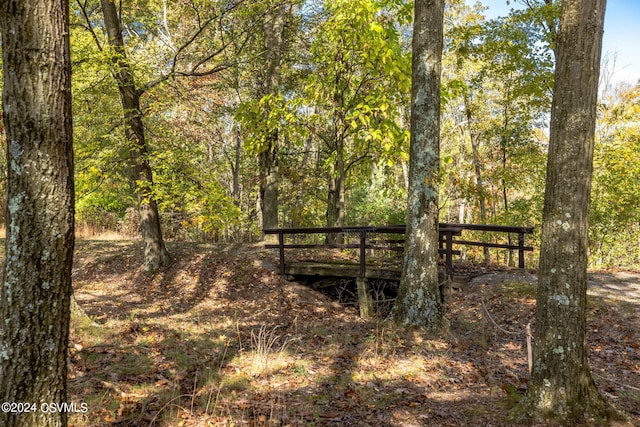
[(89, 27)]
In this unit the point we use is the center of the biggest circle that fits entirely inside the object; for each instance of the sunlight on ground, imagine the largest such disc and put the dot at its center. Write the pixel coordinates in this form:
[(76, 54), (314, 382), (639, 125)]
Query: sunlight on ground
[(216, 341)]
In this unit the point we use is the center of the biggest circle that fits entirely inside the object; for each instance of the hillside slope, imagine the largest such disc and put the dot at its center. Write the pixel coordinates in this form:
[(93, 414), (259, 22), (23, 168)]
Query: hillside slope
[(220, 339)]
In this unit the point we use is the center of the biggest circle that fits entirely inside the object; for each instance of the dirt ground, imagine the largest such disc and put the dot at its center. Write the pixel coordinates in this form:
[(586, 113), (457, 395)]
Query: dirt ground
[(619, 285), (220, 339)]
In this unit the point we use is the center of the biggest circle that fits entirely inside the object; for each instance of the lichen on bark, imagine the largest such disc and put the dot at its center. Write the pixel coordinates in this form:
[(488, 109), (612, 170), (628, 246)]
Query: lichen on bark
[(418, 302), (561, 386)]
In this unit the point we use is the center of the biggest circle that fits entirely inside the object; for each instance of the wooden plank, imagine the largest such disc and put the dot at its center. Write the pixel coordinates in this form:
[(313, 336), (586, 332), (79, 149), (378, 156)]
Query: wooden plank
[(340, 270), (491, 227), (350, 270), (386, 248), (453, 252), (456, 231), (491, 245), (389, 241), (399, 229), (385, 229), (347, 246), (313, 246)]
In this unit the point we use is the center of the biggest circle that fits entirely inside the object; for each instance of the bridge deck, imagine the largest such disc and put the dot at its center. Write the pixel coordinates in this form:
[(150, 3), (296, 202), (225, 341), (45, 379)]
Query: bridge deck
[(340, 269)]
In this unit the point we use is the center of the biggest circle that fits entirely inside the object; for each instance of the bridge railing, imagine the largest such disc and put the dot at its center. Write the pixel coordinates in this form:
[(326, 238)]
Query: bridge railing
[(447, 232)]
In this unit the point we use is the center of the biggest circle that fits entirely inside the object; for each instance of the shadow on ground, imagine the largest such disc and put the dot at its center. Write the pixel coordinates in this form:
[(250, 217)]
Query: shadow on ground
[(219, 339)]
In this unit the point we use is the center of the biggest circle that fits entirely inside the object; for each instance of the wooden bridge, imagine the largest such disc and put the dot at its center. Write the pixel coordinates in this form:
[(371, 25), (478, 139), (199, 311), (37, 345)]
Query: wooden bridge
[(390, 239), (381, 238)]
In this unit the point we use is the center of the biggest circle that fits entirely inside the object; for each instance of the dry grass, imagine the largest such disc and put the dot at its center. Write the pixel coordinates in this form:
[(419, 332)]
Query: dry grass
[(84, 231)]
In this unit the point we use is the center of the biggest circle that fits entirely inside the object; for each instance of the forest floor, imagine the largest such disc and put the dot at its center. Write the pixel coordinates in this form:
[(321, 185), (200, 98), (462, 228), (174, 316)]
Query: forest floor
[(220, 339)]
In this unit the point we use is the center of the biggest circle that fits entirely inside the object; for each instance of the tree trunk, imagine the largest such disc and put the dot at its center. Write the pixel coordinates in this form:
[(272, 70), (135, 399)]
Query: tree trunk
[(504, 144), (336, 196), (235, 166), (418, 302), (155, 252), (505, 200), (301, 192), (561, 386), (36, 285), (477, 167), (269, 186), (273, 28)]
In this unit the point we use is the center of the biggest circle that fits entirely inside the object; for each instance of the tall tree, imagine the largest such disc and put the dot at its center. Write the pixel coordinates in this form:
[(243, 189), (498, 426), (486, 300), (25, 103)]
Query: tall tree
[(355, 88), (561, 385), (418, 302), (36, 285), (155, 252), (146, 46), (273, 31)]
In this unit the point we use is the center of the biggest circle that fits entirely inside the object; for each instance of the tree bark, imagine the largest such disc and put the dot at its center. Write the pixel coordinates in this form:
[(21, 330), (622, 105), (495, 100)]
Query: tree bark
[(336, 196), (235, 166), (561, 386), (418, 302), (477, 168), (155, 252), (504, 146), (269, 185), (273, 28), (36, 285)]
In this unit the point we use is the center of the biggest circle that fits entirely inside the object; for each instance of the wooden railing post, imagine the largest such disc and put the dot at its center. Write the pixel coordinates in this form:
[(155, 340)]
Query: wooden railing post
[(521, 250), (363, 252), (281, 249), (365, 300), (449, 253)]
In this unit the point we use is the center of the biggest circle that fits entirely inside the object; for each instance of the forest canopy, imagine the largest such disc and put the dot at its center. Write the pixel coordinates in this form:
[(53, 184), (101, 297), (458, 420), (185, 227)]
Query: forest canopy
[(310, 100)]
